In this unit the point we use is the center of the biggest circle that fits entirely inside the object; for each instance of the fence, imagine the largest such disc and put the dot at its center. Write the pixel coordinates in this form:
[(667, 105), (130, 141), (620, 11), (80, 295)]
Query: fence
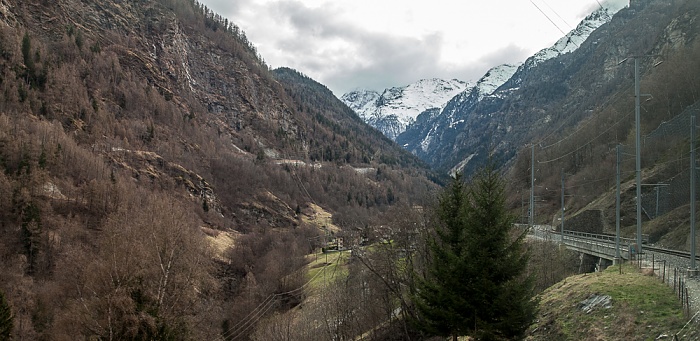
[(670, 188)]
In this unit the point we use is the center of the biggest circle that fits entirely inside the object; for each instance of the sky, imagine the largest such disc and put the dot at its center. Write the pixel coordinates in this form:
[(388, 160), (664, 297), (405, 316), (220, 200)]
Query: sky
[(377, 44)]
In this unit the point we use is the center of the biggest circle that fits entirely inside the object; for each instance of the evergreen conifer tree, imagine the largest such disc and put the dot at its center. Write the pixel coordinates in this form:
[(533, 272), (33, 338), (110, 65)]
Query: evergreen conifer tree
[(6, 318), (476, 284)]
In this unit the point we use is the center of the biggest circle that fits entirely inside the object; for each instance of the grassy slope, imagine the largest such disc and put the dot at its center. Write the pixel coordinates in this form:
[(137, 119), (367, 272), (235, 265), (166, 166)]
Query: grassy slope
[(642, 308), (326, 267)]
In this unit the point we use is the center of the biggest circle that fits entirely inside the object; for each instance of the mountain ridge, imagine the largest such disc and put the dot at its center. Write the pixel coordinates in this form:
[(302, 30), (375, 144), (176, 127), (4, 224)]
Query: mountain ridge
[(397, 107)]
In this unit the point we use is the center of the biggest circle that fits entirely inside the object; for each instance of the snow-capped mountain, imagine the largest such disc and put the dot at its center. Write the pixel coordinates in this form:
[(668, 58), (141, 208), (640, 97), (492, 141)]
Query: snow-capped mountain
[(395, 108), (572, 40), (420, 137), (577, 36), (456, 136), (464, 101)]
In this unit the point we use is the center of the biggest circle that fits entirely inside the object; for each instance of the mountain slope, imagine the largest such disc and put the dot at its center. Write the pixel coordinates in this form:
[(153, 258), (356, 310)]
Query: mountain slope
[(157, 181), (591, 103)]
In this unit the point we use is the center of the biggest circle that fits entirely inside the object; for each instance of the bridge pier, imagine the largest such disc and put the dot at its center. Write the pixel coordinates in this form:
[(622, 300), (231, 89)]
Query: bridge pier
[(591, 263), (587, 263), (596, 252), (603, 264)]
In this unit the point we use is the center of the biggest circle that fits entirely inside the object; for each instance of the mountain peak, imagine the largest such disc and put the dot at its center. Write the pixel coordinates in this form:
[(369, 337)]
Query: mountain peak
[(397, 107), (495, 77), (572, 40)]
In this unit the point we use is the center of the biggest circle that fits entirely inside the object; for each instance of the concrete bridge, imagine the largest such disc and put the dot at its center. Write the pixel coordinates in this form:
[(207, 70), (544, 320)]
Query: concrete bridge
[(597, 249)]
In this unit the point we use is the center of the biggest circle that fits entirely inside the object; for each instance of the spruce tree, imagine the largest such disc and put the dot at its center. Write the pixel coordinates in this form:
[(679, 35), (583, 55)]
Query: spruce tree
[(476, 284), (6, 318)]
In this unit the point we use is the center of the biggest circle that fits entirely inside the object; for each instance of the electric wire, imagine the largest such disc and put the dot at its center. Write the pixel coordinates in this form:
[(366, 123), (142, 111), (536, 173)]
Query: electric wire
[(591, 120), (236, 334), (588, 183), (587, 143), (301, 184), (586, 123), (548, 18), (266, 306), (630, 171), (559, 16), (616, 34), (258, 312), (608, 103), (255, 314)]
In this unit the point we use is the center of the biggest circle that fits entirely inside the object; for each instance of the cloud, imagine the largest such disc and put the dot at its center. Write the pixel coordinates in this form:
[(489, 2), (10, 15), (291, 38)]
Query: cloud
[(233, 8), (381, 61), (340, 54), (509, 54), (378, 44), (394, 61)]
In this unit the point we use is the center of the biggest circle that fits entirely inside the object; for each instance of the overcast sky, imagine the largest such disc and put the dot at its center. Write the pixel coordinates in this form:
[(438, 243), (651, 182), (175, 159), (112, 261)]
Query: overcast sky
[(375, 44)]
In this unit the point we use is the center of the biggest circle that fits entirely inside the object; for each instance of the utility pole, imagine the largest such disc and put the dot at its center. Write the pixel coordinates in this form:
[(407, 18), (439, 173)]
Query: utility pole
[(562, 205), (617, 209), (693, 269), (637, 138), (532, 188), (638, 157)]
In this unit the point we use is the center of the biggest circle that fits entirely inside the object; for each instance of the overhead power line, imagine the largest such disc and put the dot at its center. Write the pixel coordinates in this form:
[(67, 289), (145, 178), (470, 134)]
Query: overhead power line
[(258, 312), (610, 102), (559, 16), (585, 144), (548, 18)]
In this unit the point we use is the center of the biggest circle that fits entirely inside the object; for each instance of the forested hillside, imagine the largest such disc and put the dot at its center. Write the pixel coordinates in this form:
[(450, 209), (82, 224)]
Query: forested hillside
[(158, 181)]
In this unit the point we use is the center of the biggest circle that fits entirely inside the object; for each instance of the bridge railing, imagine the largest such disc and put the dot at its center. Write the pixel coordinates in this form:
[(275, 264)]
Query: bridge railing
[(608, 237), (601, 244)]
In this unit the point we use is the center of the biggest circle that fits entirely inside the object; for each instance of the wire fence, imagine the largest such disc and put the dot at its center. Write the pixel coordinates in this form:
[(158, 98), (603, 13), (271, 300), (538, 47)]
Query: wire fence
[(668, 146), (667, 149), (665, 157)]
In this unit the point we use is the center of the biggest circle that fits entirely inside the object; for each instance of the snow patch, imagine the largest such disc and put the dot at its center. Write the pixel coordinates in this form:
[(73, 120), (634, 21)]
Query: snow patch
[(365, 171), (578, 35), (425, 143), (453, 124), (460, 166), (494, 78)]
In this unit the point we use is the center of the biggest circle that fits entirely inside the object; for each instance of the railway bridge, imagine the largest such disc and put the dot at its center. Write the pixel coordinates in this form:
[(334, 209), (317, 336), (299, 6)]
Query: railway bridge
[(600, 249)]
